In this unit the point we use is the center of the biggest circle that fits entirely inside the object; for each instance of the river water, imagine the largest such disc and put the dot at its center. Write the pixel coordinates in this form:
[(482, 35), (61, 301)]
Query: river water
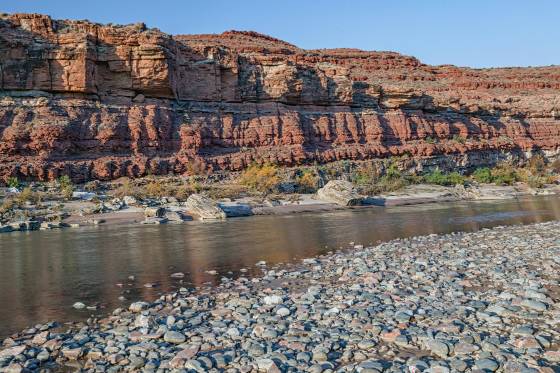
[(43, 273)]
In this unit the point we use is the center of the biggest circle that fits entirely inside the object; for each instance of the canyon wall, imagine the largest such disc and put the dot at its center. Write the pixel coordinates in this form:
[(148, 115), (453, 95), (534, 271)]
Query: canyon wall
[(102, 101)]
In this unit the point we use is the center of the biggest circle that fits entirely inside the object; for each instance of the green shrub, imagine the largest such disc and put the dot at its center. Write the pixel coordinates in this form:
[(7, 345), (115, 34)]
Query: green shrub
[(64, 181), (483, 175), (504, 175), (365, 174), (66, 186), (386, 184), (439, 178), (393, 180), (13, 182), (393, 171)]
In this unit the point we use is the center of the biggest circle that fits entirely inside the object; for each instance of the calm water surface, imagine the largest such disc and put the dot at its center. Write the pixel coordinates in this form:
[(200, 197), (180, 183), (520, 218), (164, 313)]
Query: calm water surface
[(43, 273)]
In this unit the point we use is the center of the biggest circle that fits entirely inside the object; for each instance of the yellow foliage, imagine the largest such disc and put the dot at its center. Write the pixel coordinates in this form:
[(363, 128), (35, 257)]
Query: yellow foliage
[(157, 188), (260, 178), (308, 181)]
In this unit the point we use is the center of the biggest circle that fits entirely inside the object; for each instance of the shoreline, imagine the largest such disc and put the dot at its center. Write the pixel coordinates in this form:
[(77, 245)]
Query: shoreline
[(434, 302), (415, 195), (124, 214)]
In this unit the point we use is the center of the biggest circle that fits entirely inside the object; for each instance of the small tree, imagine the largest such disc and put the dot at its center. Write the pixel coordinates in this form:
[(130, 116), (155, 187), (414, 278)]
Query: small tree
[(66, 186)]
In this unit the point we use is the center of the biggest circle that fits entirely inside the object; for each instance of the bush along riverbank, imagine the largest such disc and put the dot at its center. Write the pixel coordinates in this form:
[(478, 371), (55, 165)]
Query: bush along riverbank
[(260, 189), (466, 302)]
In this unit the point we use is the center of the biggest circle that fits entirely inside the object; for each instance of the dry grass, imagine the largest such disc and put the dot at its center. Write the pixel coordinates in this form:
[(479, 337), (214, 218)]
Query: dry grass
[(130, 188), (155, 188), (231, 191), (27, 195), (158, 188), (8, 204)]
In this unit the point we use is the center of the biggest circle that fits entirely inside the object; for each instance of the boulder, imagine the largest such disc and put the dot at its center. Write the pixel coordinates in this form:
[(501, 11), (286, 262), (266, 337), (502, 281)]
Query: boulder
[(204, 208), (17, 226), (154, 212), (138, 306), (31, 225), (86, 196), (116, 204), (130, 200), (233, 209), (174, 216), (92, 210), (340, 192)]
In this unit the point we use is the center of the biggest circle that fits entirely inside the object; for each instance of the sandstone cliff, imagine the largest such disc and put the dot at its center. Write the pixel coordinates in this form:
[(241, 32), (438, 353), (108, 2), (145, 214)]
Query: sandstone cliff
[(104, 101)]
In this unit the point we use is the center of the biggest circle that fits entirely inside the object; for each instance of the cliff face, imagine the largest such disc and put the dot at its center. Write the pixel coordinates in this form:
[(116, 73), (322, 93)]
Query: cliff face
[(101, 101)]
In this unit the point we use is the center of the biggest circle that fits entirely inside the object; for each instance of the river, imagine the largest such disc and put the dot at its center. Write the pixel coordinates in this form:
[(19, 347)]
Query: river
[(43, 273)]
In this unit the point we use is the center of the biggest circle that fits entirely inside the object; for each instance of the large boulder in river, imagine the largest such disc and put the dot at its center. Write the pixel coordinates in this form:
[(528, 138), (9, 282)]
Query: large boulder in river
[(203, 207), (340, 192)]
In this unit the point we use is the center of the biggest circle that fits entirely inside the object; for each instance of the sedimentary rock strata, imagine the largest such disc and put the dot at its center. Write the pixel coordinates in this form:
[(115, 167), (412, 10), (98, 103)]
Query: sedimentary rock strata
[(104, 101)]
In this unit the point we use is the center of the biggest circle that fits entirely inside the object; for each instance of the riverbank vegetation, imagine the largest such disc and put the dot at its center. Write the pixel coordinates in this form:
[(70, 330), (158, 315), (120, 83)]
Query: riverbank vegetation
[(370, 178), (536, 173), (265, 185)]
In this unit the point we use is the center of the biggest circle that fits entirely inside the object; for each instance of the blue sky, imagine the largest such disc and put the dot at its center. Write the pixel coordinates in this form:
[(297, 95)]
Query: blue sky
[(477, 33)]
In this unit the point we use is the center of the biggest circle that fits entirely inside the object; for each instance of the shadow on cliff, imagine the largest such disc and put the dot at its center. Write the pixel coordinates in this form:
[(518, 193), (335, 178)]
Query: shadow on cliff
[(152, 128)]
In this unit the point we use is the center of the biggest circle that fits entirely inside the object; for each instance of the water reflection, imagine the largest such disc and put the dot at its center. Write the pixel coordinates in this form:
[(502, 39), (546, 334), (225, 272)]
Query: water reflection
[(43, 273)]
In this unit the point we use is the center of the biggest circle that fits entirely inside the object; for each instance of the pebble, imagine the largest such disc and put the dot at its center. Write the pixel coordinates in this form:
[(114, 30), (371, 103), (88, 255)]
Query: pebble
[(462, 302), (438, 348), (79, 305), (487, 365), (174, 337), (534, 305), (138, 306), (272, 299), (283, 312)]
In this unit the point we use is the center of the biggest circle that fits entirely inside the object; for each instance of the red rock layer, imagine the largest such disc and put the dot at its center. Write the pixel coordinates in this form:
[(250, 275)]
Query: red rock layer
[(97, 101)]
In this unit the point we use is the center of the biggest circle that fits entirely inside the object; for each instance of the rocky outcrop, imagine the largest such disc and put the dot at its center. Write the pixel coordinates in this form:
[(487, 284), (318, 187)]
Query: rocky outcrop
[(99, 102), (203, 207), (340, 192)]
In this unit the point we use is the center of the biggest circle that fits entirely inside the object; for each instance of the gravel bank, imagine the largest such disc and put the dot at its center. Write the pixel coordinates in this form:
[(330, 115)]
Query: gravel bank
[(477, 302)]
